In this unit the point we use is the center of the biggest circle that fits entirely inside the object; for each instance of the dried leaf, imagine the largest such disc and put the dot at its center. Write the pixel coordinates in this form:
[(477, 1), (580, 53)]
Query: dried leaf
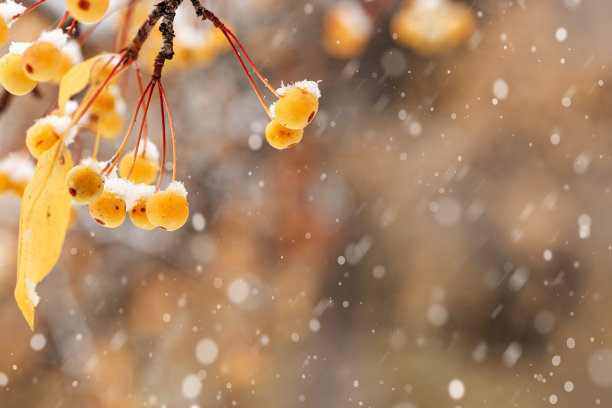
[(75, 80), (45, 212)]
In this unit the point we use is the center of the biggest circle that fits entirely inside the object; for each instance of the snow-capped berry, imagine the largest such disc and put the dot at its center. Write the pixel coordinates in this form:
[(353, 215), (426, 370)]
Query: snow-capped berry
[(347, 29), (280, 137), (138, 215), (109, 124), (40, 137), (84, 184), (108, 210), (105, 102), (168, 209), (144, 171), (296, 108), (41, 61), (4, 31), (87, 11), (433, 27), (12, 75)]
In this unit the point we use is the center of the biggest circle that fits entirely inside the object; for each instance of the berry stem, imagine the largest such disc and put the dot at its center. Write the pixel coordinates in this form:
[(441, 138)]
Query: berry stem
[(63, 20), (143, 124), (96, 144), (32, 7), (163, 94), (163, 123), (263, 79), (139, 77), (72, 27), (248, 75), (113, 162)]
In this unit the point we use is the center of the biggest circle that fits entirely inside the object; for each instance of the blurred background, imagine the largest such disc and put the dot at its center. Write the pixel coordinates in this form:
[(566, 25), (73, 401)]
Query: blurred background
[(440, 237)]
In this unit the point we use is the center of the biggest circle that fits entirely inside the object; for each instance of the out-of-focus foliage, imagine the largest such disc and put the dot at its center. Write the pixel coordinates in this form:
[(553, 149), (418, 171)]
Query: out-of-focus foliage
[(441, 231)]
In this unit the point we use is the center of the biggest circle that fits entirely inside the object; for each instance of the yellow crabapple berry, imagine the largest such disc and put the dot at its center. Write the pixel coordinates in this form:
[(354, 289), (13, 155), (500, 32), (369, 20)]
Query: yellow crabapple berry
[(144, 171), (5, 182), (41, 61), (40, 137), (4, 31), (168, 209), (87, 11), (138, 215), (280, 137), (65, 65), (84, 184), (105, 102), (347, 29), (435, 28), (108, 210), (109, 124), (18, 187), (101, 70), (12, 75), (74, 216), (296, 108)]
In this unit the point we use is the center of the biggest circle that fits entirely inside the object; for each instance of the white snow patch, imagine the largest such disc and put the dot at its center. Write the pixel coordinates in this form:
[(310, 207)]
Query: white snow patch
[(60, 125), (19, 47), (272, 110), (150, 150), (73, 50), (56, 37), (308, 86), (9, 9), (17, 167), (129, 192), (177, 187), (31, 289), (94, 164)]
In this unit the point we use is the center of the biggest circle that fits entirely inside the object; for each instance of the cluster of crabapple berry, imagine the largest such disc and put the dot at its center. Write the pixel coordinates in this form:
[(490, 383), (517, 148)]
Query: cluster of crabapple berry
[(292, 112), (109, 198)]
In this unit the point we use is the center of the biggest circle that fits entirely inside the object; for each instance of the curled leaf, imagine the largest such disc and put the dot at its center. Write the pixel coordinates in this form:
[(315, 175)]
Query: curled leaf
[(45, 212), (75, 80)]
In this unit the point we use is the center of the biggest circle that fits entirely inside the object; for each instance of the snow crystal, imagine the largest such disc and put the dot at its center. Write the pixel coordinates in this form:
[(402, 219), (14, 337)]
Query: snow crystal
[(600, 367), (556, 360), (568, 386), (512, 353), (561, 34), (177, 187), (553, 399), (547, 255), (518, 278), (206, 351), (150, 150), (544, 321), (60, 124), (437, 315), (570, 343), (17, 167), (272, 110), (94, 164), (314, 325), (500, 89), (378, 272), (255, 142), (19, 47), (71, 107), (56, 37), (308, 86), (128, 191), (38, 342), (198, 221), (3, 379), (32, 295), (456, 389), (9, 9), (238, 290), (73, 50), (192, 386)]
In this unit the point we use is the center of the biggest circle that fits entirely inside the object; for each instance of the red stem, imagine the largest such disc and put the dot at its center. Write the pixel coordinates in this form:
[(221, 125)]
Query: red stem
[(161, 89), (163, 160), (264, 80), (142, 126), (248, 75), (63, 20), (32, 7)]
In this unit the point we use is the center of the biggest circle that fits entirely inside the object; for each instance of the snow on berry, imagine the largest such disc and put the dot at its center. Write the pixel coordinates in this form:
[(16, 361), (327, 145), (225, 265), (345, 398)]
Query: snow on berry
[(308, 86), (9, 9)]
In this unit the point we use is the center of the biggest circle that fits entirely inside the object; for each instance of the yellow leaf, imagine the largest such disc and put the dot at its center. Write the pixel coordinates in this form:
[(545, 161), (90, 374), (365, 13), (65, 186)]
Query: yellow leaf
[(45, 212), (75, 80)]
